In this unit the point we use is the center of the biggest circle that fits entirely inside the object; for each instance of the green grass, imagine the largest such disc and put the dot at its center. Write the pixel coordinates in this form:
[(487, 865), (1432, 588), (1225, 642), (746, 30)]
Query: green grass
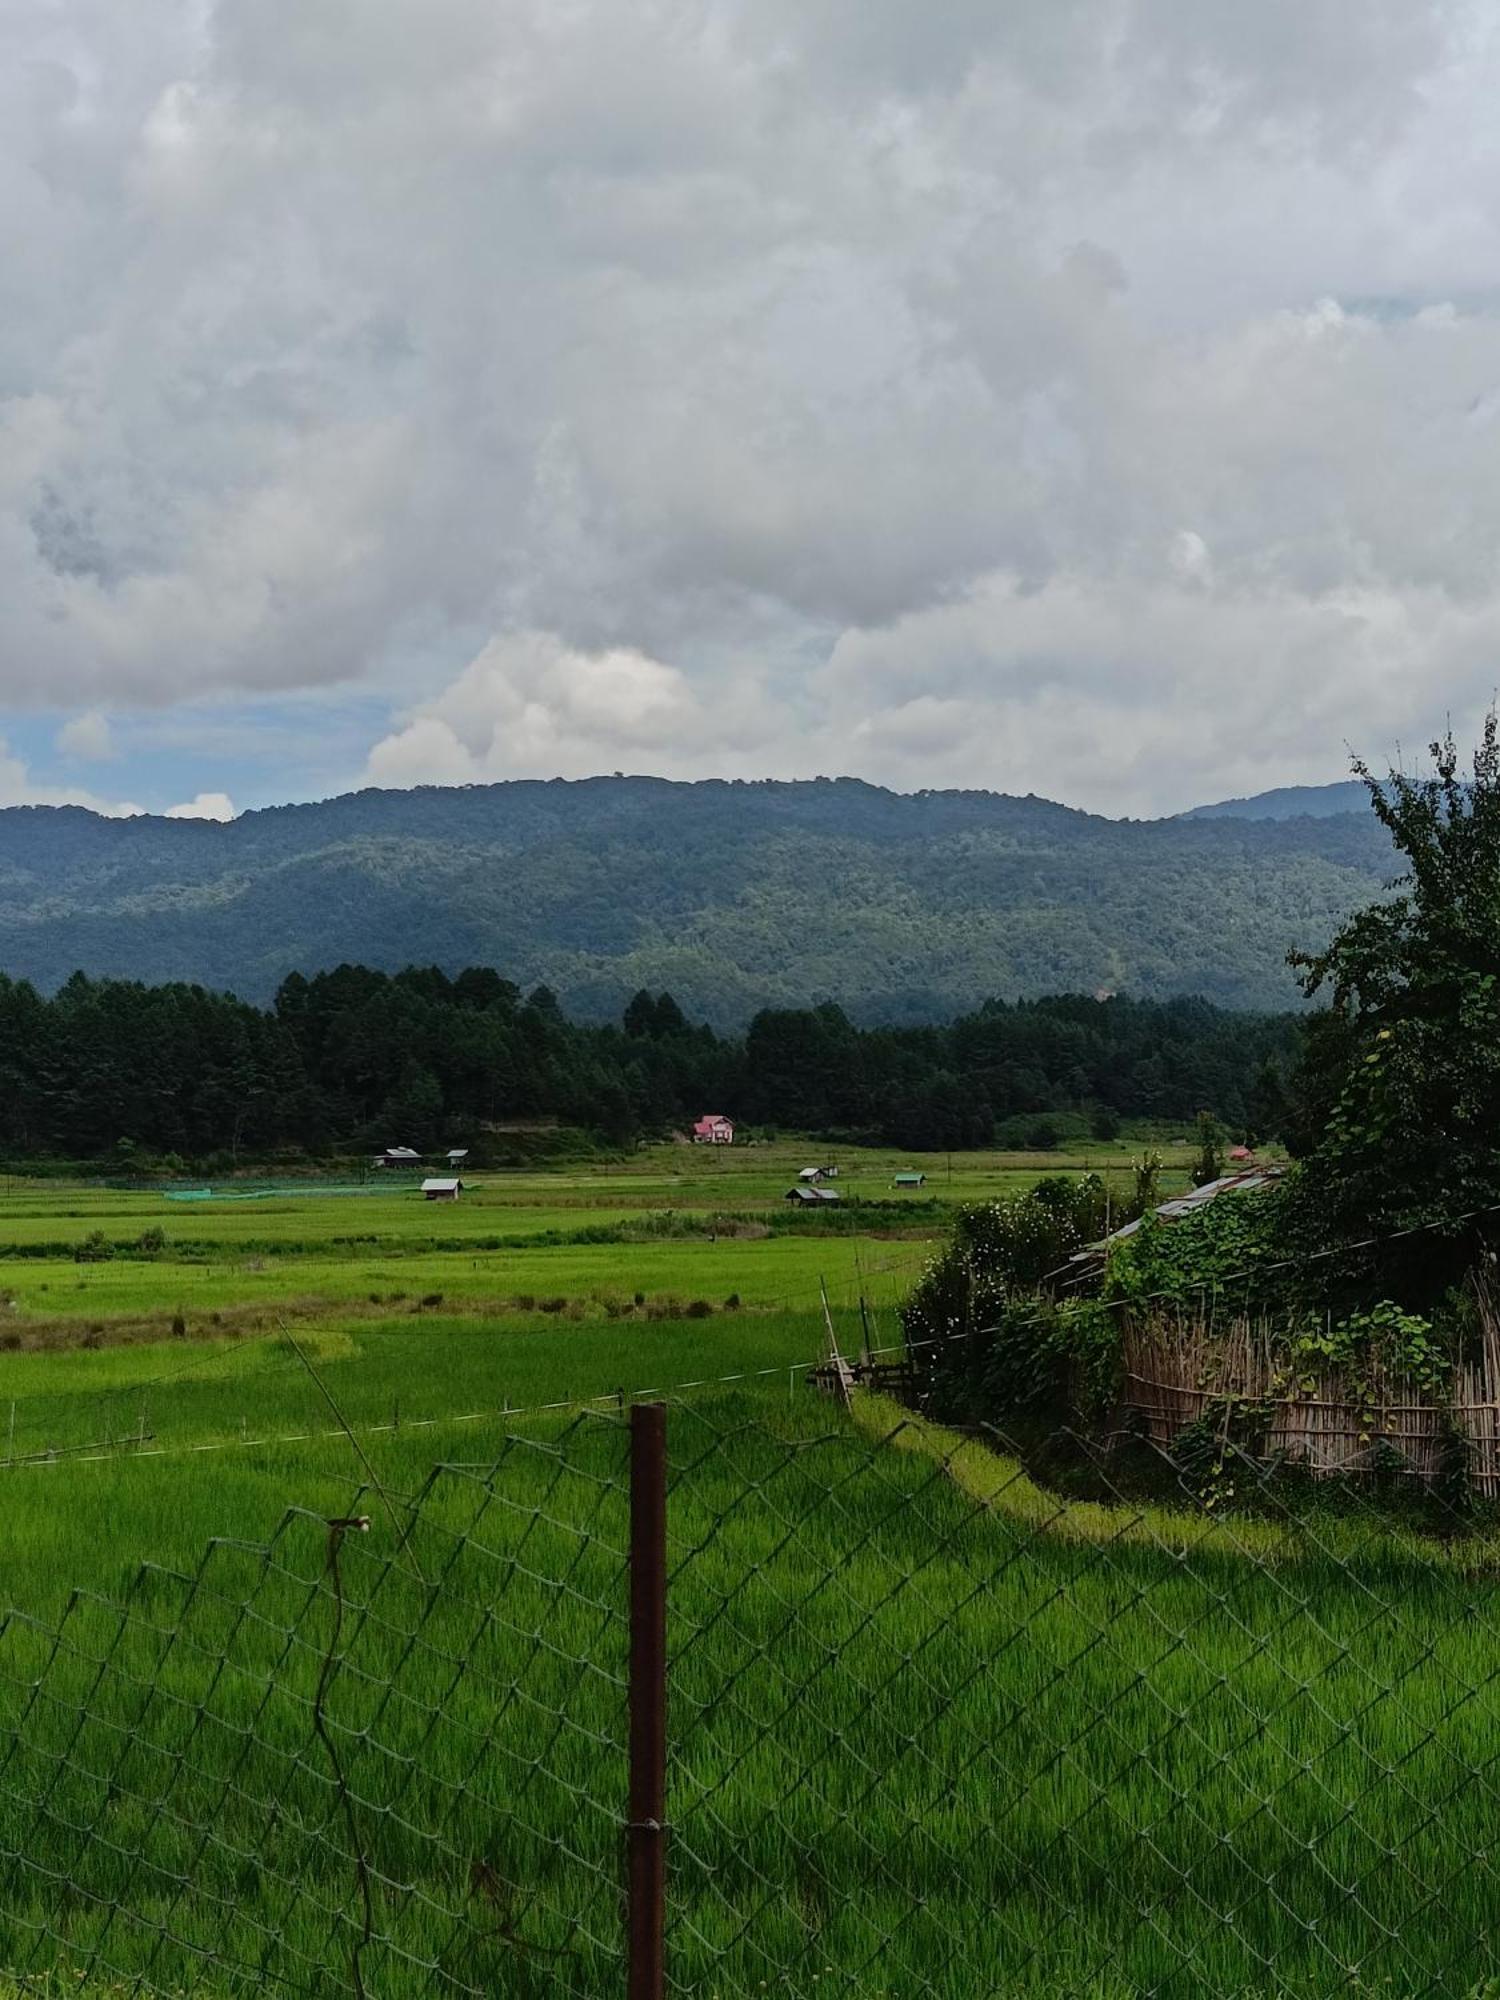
[(989, 1756), (766, 1271), (421, 1338), (685, 1177), (922, 1744), (936, 1734)]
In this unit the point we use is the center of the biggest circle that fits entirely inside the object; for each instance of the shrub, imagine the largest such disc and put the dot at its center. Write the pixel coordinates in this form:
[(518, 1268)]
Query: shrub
[(988, 1339), (95, 1248)]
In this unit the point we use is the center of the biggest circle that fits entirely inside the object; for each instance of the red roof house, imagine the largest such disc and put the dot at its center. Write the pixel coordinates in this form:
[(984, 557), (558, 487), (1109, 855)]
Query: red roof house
[(713, 1129)]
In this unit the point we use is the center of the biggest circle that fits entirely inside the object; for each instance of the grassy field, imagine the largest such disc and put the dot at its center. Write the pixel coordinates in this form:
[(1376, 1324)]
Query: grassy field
[(248, 1314), (923, 1744), (280, 1319), (936, 1736)]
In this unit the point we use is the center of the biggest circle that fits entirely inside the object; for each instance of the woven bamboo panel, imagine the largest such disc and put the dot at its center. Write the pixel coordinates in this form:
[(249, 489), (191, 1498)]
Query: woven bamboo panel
[(1178, 1371)]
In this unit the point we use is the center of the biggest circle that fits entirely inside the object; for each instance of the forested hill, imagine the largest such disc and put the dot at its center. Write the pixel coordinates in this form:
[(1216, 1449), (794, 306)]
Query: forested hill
[(1290, 802), (732, 895)]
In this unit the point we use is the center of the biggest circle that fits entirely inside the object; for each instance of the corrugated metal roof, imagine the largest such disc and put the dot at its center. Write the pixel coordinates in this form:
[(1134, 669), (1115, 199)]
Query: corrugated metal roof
[(1184, 1204)]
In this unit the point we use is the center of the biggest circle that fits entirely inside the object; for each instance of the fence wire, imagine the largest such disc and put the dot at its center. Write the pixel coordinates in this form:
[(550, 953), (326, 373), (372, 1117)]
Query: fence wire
[(941, 1731), (940, 1728), (372, 1760)]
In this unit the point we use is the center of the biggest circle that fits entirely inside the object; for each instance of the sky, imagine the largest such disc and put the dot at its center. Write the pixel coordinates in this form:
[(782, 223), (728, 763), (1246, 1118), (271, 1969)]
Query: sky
[(1098, 398)]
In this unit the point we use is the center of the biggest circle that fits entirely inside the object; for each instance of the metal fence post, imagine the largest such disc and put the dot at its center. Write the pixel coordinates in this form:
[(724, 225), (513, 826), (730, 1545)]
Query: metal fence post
[(647, 1875)]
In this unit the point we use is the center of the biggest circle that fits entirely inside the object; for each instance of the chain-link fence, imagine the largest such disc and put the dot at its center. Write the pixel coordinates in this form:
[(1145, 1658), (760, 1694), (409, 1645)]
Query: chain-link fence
[(382, 1755), (934, 1718)]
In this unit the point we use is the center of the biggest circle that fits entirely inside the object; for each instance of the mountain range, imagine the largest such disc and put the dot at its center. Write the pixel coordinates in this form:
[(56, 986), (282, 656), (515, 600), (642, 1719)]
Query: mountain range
[(731, 895)]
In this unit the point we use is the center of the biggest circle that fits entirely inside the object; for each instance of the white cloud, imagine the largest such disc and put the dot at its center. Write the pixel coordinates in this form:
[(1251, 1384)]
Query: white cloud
[(88, 737), (207, 805), (18, 788), (528, 705), (759, 387)]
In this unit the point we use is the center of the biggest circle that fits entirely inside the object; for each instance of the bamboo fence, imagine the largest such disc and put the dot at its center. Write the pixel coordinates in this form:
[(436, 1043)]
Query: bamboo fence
[(1328, 1423)]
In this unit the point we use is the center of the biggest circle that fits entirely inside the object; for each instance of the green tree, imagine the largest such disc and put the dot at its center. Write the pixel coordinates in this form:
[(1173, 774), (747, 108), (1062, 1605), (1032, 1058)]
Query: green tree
[(1209, 1162), (1398, 1093), (360, 1055), (639, 1017), (415, 1111), (1266, 1104), (1147, 1190)]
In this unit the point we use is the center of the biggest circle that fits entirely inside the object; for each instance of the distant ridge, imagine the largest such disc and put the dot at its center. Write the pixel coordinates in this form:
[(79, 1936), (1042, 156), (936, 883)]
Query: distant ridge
[(733, 896), (1290, 802)]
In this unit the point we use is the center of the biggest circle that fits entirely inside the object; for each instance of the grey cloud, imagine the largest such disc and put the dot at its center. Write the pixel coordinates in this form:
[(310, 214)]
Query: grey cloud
[(891, 382)]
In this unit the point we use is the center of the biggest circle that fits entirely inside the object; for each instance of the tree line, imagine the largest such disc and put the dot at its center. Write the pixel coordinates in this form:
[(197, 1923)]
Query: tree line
[(361, 1058)]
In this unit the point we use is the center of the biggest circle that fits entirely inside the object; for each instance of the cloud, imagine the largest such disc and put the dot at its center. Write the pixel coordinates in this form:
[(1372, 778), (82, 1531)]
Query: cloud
[(1123, 697), (528, 705), (1093, 395), (18, 788), (207, 805), (87, 737)]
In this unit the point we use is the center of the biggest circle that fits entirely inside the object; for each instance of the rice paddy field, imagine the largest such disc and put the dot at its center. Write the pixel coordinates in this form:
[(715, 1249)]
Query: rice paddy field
[(225, 1318), (935, 1732)]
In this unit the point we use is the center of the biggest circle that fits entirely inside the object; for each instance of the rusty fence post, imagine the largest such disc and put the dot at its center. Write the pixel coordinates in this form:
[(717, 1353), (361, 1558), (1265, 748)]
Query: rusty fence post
[(647, 1833)]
